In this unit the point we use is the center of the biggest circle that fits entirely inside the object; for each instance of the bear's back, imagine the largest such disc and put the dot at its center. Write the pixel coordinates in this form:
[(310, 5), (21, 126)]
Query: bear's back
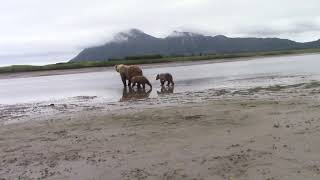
[(133, 71), (139, 79)]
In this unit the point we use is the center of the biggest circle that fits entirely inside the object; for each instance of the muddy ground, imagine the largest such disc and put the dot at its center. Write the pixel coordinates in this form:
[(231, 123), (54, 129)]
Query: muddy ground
[(266, 133)]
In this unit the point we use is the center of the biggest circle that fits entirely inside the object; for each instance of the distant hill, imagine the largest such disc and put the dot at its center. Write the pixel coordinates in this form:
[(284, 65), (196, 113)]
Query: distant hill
[(138, 43)]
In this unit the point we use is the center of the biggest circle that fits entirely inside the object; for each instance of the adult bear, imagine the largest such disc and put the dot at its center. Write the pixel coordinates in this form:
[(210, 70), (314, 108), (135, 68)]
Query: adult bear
[(127, 72)]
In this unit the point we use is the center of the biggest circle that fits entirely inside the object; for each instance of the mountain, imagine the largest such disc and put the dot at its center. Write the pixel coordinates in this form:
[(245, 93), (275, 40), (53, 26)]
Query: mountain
[(137, 43)]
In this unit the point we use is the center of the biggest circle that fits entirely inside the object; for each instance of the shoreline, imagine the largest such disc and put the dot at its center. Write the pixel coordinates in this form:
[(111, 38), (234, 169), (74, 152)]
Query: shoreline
[(161, 64), (39, 111)]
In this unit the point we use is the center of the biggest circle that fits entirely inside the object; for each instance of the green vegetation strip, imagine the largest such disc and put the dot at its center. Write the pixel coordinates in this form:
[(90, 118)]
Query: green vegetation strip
[(131, 61)]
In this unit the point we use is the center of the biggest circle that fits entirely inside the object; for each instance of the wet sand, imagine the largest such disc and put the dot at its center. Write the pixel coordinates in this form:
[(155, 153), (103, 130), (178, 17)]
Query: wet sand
[(259, 133)]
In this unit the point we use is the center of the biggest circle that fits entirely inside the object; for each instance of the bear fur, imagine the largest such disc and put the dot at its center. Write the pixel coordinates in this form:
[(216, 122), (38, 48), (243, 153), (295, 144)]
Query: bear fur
[(127, 72), (165, 77), (140, 80)]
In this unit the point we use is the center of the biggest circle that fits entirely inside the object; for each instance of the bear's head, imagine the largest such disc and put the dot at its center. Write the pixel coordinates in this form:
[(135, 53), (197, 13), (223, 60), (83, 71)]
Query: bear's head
[(118, 67), (158, 77)]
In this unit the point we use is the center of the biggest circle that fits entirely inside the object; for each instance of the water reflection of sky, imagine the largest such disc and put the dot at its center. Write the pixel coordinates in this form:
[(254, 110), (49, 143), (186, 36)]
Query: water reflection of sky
[(259, 72)]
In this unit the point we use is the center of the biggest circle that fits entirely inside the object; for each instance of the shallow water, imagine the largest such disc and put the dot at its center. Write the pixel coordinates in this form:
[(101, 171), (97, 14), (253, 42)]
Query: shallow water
[(108, 86)]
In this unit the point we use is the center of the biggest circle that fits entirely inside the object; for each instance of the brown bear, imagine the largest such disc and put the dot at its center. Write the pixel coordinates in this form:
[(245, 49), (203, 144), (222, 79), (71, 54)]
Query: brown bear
[(140, 80), (165, 77), (127, 72)]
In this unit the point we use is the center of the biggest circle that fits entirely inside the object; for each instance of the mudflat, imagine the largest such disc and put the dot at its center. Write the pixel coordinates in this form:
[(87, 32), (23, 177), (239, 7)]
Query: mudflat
[(258, 133)]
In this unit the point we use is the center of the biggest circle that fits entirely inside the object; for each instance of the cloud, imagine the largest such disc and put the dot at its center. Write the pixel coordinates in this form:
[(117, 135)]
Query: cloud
[(283, 28), (61, 29)]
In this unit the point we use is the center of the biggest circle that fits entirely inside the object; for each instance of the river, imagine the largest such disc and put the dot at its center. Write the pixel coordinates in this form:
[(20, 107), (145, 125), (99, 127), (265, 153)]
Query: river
[(108, 86)]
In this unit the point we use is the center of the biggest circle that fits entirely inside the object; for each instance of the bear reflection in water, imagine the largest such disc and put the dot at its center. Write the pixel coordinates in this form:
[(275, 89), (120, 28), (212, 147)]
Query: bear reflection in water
[(130, 93), (166, 90)]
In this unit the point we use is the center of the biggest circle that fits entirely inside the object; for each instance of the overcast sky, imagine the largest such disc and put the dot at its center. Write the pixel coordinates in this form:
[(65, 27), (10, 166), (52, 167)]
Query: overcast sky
[(46, 31)]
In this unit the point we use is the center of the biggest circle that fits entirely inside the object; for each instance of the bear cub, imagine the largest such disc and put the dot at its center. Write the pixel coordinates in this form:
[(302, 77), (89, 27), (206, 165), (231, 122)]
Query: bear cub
[(140, 80), (165, 77)]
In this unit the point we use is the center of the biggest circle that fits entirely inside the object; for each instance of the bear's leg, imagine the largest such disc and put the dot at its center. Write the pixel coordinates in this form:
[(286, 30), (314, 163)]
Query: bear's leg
[(123, 78), (168, 83), (149, 84), (162, 82), (144, 85), (129, 82)]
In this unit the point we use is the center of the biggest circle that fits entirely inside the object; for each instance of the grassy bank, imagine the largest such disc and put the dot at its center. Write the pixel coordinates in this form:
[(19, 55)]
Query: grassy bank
[(88, 64)]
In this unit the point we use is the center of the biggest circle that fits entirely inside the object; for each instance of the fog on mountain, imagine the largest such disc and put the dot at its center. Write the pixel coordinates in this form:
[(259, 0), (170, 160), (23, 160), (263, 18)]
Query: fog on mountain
[(137, 43)]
